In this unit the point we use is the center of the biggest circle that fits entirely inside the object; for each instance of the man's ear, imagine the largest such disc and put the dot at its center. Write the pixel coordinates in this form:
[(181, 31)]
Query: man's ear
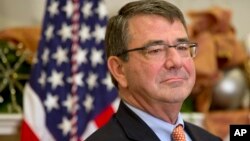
[(116, 68)]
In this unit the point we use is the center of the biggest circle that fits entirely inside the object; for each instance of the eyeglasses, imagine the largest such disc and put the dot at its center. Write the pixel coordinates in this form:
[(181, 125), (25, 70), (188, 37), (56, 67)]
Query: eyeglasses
[(159, 51)]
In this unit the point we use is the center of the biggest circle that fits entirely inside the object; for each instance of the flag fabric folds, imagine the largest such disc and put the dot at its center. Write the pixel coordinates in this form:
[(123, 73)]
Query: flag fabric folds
[(69, 94)]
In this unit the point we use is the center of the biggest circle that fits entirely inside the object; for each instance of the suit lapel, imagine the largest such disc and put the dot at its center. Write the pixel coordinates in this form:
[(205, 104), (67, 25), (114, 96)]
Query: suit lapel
[(196, 133), (189, 132), (133, 126)]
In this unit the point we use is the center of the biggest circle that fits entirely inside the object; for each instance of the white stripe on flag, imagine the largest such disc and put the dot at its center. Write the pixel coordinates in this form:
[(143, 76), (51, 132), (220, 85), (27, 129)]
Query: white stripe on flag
[(115, 104), (34, 115), (91, 127)]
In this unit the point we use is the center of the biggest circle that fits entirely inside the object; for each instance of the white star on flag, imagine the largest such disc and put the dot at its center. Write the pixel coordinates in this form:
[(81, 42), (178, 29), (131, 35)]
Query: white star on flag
[(68, 8), (45, 56), (56, 79), (91, 81), (88, 103), (107, 82), (81, 56), (68, 103), (102, 10), (42, 79), (96, 57), (51, 102), (85, 33), (99, 33), (65, 126), (86, 9), (53, 8), (49, 32), (60, 56), (78, 79), (65, 32)]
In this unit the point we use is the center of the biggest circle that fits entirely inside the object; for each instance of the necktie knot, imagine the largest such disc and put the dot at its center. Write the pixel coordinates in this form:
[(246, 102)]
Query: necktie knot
[(178, 133)]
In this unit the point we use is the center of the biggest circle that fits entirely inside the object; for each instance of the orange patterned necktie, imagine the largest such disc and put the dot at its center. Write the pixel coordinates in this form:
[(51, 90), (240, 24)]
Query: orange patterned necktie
[(178, 133)]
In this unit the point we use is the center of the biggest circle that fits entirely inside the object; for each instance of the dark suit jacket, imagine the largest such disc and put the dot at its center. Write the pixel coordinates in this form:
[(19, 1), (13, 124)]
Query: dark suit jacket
[(125, 125)]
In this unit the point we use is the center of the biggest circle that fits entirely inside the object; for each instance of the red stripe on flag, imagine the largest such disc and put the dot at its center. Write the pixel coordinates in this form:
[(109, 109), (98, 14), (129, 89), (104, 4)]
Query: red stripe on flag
[(104, 116), (27, 134)]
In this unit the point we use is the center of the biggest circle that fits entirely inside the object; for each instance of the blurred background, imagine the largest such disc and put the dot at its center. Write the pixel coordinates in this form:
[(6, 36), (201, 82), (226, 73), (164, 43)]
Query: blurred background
[(221, 27), (30, 12)]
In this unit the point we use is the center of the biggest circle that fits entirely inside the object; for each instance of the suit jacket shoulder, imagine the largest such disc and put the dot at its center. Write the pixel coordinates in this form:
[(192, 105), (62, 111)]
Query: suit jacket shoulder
[(125, 125)]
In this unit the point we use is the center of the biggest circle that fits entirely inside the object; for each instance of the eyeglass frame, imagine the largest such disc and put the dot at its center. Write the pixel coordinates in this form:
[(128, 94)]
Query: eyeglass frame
[(191, 45)]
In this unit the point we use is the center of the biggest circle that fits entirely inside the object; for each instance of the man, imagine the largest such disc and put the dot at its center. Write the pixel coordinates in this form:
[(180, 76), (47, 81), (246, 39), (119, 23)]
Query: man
[(151, 61)]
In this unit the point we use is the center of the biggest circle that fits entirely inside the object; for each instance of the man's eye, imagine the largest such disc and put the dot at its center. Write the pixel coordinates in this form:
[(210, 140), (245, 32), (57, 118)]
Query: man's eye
[(155, 50), (182, 47)]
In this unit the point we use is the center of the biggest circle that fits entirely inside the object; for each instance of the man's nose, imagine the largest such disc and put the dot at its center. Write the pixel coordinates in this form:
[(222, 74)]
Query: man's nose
[(173, 59)]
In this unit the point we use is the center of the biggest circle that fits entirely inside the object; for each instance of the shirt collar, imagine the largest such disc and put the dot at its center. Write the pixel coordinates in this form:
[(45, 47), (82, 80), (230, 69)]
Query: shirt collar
[(161, 128)]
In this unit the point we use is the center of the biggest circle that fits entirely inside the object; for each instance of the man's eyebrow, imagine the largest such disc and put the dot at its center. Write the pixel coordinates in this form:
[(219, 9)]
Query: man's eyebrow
[(158, 42), (153, 42), (181, 40)]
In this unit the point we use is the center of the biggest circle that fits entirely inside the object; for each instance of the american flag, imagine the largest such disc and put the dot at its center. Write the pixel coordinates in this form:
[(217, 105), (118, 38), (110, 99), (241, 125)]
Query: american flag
[(69, 94)]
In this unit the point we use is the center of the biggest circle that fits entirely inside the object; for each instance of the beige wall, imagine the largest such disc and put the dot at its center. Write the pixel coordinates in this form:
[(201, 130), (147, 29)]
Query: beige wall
[(240, 10)]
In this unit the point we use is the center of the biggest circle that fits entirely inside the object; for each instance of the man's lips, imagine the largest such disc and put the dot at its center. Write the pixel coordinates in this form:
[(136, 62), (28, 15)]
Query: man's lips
[(173, 79)]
